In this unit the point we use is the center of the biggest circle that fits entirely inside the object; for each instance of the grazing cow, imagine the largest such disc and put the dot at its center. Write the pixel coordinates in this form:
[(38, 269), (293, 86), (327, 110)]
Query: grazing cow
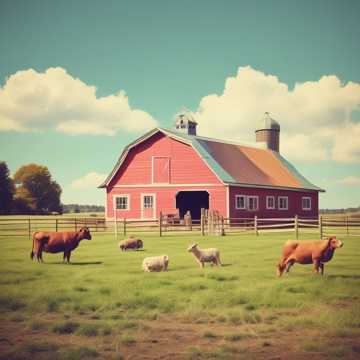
[(55, 242), (315, 252)]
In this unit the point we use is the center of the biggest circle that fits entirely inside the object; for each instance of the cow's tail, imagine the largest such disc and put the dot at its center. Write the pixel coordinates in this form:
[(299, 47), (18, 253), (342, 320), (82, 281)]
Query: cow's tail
[(32, 249)]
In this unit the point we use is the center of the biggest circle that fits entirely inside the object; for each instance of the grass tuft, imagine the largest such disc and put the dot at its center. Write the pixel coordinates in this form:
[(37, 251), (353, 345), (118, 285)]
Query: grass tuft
[(67, 327)]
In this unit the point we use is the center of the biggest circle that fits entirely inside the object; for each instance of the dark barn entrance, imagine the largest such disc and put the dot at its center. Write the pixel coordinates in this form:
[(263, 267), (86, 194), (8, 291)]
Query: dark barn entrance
[(193, 201)]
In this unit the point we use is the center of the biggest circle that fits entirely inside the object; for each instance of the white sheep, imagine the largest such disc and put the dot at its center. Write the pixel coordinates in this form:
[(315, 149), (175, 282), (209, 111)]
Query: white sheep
[(155, 263), (205, 255)]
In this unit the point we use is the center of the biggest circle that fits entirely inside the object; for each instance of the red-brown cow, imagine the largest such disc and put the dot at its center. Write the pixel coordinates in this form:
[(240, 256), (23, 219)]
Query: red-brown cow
[(308, 252), (55, 242)]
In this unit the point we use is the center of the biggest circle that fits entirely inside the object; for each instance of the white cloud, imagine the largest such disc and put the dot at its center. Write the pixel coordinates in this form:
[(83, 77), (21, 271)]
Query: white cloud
[(33, 101), (315, 117), (350, 181), (90, 180)]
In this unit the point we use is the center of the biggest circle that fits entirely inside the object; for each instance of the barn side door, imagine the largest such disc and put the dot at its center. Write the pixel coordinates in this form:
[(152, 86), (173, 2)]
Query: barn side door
[(148, 206)]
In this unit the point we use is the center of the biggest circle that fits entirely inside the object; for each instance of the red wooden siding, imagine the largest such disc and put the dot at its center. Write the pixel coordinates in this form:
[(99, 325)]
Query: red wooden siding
[(186, 166), (164, 200), (294, 203)]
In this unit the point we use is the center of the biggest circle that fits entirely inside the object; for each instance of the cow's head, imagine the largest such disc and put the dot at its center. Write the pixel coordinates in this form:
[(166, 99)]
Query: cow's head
[(334, 242), (191, 247), (85, 233)]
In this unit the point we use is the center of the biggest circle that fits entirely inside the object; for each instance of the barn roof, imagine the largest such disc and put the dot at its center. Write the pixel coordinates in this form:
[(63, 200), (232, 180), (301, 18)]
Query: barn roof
[(242, 164)]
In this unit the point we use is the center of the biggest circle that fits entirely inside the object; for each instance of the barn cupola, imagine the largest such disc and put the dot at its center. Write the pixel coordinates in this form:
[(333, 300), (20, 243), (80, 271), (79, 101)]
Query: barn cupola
[(268, 132), (184, 122)]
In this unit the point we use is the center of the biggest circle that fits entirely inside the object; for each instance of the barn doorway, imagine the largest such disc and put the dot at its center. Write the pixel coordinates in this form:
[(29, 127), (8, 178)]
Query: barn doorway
[(193, 201)]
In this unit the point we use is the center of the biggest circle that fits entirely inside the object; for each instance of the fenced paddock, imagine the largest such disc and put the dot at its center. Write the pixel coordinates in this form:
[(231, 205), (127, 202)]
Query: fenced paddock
[(103, 306), (320, 227)]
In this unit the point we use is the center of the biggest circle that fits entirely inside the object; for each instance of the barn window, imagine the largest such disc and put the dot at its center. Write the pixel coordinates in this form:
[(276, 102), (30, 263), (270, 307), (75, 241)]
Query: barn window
[(283, 203), (306, 203), (148, 202), (122, 202), (270, 202), (161, 170), (240, 202), (253, 203)]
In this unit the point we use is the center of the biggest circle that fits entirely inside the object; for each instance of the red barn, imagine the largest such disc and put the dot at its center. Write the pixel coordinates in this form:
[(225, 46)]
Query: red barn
[(174, 171)]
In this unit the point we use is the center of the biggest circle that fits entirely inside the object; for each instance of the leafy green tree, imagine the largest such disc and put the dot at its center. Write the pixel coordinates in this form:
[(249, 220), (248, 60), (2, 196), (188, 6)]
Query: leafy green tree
[(36, 191), (7, 189)]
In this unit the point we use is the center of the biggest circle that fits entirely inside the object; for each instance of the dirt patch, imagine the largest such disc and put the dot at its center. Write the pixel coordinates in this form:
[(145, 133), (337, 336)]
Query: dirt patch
[(171, 338)]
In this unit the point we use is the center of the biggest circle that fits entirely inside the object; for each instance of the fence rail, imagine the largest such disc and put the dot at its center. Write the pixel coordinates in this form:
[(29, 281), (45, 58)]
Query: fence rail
[(322, 226)]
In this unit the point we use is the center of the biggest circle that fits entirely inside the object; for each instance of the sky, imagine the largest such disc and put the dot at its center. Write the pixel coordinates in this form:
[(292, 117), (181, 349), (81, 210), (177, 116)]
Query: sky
[(79, 80)]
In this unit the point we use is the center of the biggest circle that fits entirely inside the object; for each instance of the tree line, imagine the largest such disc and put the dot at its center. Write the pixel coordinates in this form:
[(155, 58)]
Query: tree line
[(31, 190)]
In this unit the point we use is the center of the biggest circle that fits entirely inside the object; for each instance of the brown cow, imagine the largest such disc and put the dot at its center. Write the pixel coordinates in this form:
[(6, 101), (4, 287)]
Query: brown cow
[(308, 252), (55, 242)]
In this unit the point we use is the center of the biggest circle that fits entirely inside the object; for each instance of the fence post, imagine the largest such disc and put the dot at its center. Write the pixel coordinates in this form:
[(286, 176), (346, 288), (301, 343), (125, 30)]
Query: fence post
[(296, 223), (96, 225), (124, 228), (320, 227), (256, 225), (347, 225), (29, 228), (56, 225), (160, 223), (115, 225), (202, 222), (222, 226), (75, 224)]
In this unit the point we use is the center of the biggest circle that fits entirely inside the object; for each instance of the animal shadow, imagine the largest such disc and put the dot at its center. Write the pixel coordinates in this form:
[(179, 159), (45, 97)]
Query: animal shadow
[(77, 263)]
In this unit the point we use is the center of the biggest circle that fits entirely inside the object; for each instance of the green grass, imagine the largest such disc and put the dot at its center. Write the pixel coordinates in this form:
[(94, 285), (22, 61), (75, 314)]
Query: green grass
[(104, 293)]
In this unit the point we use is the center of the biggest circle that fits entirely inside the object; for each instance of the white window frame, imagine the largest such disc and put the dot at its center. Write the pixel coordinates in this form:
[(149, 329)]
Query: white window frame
[(248, 202), (152, 169), (236, 202), (302, 202), (287, 202), (127, 196), (267, 202)]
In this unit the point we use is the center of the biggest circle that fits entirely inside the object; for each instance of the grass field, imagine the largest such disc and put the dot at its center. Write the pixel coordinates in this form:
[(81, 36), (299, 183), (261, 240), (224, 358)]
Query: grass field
[(103, 306)]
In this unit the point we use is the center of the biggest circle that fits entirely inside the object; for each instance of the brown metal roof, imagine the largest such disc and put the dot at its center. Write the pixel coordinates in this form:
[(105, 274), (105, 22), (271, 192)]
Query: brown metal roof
[(248, 165)]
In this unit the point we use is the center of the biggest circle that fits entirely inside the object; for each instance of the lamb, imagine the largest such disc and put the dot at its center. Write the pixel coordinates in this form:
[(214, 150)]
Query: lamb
[(130, 243), (205, 255), (155, 263)]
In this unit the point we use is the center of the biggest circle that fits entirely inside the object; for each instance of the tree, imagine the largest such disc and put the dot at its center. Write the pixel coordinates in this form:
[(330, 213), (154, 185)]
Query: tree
[(36, 191), (7, 189)]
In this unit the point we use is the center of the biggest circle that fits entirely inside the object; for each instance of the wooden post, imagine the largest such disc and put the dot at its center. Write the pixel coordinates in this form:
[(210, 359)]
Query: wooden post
[(96, 225), (75, 224), (124, 226), (56, 224), (296, 225), (160, 223), (202, 222), (347, 225), (320, 227), (222, 226), (256, 225), (116, 224), (29, 228)]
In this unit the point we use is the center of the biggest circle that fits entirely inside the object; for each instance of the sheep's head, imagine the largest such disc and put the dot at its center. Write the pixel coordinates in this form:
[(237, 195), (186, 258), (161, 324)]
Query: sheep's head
[(191, 247)]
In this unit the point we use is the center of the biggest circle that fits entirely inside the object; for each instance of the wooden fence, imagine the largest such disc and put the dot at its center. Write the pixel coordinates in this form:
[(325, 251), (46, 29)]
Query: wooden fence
[(209, 224)]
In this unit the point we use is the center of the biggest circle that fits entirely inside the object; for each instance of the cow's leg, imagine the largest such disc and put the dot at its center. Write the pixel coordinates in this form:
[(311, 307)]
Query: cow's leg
[(64, 256), (68, 256), (322, 268), (316, 265), (289, 264)]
